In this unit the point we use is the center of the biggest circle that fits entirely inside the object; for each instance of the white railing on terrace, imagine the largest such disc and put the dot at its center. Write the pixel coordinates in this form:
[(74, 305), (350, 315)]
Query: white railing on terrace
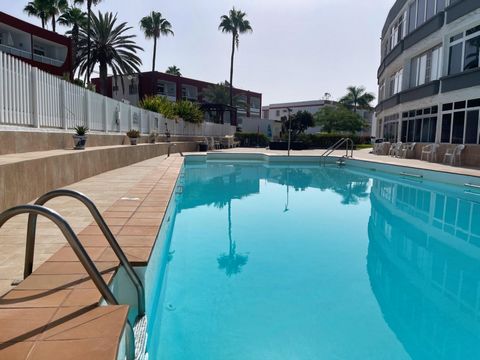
[(15, 51), (32, 99), (47, 60)]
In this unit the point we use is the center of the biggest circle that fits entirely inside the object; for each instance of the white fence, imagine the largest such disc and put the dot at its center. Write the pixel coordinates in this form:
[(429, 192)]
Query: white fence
[(32, 98)]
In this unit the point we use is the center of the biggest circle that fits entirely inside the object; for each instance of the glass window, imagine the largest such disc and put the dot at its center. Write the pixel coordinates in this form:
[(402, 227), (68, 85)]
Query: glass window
[(436, 66), (458, 127), (472, 52), (413, 72), (471, 132), (422, 71), (432, 129), (455, 59), (430, 8), (446, 126), (411, 128), (412, 18), (418, 130), (420, 12), (440, 5), (460, 105), (404, 131), (425, 130), (474, 103)]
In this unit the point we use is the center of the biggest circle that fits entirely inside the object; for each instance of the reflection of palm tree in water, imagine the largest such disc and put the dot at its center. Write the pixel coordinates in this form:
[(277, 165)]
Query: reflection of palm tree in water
[(231, 262)]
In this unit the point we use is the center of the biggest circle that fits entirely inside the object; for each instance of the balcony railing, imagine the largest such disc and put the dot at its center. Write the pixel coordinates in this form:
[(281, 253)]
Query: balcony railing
[(47, 60), (28, 55), (14, 51)]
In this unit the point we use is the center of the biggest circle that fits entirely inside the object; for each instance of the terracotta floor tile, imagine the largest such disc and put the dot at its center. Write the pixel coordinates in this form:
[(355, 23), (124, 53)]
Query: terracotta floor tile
[(15, 351), (71, 267), (23, 324), (137, 255), (71, 323), (122, 208), (95, 230), (116, 221), (139, 230), (67, 254), (135, 240), (33, 298), (150, 209), (98, 349), (94, 240), (82, 297), (144, 222), (148, 215), (116, 214)]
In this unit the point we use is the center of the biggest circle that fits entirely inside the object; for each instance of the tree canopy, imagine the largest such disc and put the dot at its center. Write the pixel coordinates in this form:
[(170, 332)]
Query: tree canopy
[(357, 98), (300, 122), (339, 118)]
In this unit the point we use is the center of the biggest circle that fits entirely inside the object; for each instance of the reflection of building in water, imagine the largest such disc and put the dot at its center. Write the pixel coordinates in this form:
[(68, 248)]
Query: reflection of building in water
[(424, 267)]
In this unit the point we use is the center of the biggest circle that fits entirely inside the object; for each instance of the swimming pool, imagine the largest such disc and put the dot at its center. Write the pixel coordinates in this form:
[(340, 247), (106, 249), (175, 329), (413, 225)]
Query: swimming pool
[(299, 261)]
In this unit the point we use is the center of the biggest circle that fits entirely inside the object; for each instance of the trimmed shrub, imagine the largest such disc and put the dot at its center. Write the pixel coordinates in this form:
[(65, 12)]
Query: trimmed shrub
[(252, 139), (324, 141), (189, 111)]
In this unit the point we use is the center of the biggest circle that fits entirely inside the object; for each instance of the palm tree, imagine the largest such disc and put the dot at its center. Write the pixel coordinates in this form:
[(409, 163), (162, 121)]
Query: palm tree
[(90, 3), (173, 70), (219, 94), (56, 7), (74, 18), (358, 98), (153, 26), (234, 23), (111, 47), (38, 8)]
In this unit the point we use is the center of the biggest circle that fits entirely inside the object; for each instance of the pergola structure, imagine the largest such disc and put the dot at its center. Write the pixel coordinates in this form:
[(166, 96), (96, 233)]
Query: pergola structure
[(219, 113)]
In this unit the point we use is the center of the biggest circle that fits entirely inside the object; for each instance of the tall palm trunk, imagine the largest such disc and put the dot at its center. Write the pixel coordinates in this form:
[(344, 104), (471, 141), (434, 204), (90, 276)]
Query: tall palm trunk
[(54, 23), (43, 22), (231, 70), (89, 9), (154, 52), (103, 78)]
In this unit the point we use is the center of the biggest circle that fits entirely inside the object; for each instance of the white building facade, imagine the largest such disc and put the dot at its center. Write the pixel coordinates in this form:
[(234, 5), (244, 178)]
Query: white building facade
[(429, 77)]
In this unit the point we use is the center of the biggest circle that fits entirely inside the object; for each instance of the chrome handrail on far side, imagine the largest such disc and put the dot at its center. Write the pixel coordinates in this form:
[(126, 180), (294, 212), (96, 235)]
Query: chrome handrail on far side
[(79, 250), (31, 231), (336, 146)]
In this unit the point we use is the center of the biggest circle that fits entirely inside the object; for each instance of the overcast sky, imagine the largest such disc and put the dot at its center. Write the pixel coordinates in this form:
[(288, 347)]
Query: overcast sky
[(299, 49)]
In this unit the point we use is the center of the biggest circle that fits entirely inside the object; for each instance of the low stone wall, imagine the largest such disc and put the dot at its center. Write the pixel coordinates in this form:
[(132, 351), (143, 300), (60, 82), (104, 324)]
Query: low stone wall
[(25, 180), (14, 142), (470, 156)]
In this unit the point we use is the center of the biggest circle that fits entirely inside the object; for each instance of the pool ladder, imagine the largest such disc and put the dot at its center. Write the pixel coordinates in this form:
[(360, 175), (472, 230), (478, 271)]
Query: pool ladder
[(349, 145), (38, 209)]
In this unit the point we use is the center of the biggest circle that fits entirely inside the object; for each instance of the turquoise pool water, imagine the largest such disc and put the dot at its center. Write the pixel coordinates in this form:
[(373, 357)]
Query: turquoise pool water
[(308, 262)]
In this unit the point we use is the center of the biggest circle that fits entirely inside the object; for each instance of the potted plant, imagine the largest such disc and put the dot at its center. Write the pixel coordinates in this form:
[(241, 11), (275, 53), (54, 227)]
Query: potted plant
[(80, 137), (152, 138), (133, 135)]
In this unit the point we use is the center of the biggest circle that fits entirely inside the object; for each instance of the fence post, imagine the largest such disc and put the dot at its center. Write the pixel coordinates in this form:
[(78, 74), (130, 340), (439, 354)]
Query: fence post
[(105, 114), (34, 97), (2, 86), (130, 122), (63, 105), (87, 108)]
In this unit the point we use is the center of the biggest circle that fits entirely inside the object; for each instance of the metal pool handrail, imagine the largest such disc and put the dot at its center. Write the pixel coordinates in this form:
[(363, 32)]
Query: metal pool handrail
[(331, 149), (31, 230), (79, 250)]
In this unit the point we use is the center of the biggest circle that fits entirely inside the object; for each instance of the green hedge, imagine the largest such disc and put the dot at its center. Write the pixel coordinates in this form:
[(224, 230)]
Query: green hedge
[(324, 141), (252, 139)]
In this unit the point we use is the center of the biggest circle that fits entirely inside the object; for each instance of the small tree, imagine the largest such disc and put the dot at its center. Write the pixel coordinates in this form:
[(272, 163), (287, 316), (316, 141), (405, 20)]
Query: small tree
[(300, 122), (339, 118)]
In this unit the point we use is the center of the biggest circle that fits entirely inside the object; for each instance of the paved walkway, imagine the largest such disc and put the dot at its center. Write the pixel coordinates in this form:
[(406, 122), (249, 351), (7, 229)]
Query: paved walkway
[(104, 189)]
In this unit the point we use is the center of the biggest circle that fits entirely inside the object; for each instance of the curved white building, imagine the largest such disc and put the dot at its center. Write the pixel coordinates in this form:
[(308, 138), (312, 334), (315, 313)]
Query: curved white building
[(429, 77)]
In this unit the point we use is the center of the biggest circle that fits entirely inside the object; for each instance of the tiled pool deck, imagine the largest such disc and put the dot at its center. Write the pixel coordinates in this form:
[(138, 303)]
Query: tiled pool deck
[(54, 312)]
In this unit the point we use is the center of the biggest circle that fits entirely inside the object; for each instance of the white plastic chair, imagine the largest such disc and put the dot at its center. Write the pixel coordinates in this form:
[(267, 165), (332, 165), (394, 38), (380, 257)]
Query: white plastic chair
[(430, 151), (406, 149), (395, 149), (452, 154)]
